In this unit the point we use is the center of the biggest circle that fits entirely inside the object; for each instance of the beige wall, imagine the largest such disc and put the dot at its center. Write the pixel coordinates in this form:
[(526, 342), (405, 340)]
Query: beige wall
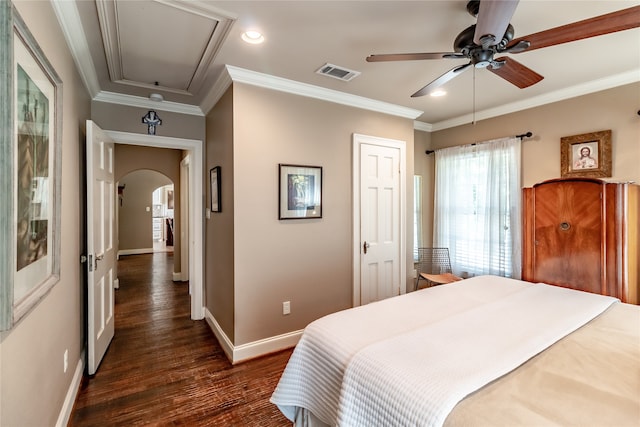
[(615, 109), (129, 158), (129, 119), (219, 228), (135, 229), (32, 382), (309, 262)]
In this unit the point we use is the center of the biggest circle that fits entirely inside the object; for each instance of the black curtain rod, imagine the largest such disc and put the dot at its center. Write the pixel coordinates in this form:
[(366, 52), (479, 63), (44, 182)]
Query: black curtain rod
[(521, 136)]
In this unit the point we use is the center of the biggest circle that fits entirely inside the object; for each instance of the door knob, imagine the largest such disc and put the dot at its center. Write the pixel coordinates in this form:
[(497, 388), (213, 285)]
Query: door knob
[(365, 247)]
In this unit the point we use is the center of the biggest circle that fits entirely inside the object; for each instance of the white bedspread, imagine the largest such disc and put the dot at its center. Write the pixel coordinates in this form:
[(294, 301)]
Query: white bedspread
[(409, 360)]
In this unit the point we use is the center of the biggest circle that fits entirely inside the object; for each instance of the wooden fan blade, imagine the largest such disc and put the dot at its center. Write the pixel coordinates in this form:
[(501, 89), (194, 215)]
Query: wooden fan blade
[(413, 56), (516, 73), (441, 80), (604, 24)]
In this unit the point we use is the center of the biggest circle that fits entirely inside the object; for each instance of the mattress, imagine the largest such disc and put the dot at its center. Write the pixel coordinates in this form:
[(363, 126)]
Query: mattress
[(590, 375)]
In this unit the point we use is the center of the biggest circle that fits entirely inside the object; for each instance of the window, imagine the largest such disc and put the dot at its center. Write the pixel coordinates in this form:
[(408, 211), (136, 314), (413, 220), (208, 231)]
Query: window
[(477, 207)]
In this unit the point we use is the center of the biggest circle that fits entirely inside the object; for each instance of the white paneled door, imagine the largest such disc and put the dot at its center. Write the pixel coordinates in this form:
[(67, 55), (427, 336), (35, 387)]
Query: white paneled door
[(100, 244), (381, 226)]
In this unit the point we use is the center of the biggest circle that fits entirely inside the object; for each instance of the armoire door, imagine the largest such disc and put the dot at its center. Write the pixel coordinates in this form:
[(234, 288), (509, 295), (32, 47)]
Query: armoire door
[(567, 235)]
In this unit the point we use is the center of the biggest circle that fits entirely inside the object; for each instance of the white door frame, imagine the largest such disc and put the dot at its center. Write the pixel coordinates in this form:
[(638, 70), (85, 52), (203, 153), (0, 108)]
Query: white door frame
[(358, 141), (196, 153), (184, 219)]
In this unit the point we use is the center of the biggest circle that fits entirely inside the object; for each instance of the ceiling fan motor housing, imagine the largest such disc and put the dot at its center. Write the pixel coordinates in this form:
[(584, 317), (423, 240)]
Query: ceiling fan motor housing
[(481, 58), (464, 41)]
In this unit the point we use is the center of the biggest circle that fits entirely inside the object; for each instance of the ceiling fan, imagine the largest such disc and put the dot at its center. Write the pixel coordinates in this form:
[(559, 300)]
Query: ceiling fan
[(493, 34)]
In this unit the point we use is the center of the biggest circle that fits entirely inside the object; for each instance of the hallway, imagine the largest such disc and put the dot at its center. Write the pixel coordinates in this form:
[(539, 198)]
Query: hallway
[(162, 368)]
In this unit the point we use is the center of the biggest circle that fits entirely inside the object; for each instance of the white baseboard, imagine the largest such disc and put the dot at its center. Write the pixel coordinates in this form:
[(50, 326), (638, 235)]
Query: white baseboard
[(72, 393), (177, 277), (225, 343), (116, 284), (241, 353), (135, 251), (265, 346)]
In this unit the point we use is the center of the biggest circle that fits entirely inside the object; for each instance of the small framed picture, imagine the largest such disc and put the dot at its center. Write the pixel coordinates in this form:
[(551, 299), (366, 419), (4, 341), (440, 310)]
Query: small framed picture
[(214, 178), (587, 155), (300, 192)]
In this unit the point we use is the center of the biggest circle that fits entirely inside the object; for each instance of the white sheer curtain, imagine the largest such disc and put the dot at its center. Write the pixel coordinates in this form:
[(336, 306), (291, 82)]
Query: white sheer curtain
[(417, 215), (477, 212)]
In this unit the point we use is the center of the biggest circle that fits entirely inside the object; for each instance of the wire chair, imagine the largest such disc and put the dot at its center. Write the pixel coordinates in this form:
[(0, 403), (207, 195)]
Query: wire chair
[(434, 266)]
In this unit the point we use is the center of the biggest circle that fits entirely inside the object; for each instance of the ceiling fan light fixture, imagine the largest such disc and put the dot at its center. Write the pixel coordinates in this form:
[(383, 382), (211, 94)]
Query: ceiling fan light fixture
[(156, 97), (252, 37)]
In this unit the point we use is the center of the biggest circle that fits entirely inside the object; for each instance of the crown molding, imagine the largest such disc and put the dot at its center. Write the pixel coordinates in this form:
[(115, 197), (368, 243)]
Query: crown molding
[(536, 101), (218, 89), (422, 126), (254, 78), (138, 101), (69, 20)]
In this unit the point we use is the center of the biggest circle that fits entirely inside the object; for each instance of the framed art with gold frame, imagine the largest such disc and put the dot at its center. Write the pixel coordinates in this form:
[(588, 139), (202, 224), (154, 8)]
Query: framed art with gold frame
[(587, 155)]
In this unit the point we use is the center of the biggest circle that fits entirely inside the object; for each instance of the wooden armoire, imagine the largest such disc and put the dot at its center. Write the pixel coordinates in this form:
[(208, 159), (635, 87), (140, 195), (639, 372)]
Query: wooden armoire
[(582, 233)]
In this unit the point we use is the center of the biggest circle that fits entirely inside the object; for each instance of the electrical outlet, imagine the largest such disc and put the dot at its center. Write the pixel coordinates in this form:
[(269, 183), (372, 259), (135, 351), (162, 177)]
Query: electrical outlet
[(66, 360), (286, 307)]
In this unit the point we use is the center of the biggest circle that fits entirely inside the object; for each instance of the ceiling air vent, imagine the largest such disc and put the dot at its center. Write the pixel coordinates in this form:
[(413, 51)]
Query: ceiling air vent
[(336, 72)]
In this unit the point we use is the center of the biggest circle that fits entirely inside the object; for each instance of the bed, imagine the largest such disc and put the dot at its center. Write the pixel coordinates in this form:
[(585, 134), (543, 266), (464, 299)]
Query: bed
[(483, 351)]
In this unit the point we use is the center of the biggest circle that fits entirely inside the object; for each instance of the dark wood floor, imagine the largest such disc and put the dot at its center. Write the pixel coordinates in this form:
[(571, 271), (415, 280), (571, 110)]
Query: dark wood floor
[(163, 368)]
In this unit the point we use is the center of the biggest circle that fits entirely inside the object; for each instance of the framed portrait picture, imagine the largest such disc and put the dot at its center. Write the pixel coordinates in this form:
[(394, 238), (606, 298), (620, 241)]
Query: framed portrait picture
[(214, 178), (31, 153), (300, 192), (586, 155)]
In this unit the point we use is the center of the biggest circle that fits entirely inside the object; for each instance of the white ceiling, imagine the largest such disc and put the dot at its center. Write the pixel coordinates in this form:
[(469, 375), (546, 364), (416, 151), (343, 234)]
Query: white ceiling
[(125, 47)]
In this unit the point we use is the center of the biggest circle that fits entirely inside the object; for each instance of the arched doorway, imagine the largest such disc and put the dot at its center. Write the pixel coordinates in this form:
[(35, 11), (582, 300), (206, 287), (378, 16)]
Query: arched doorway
[(191, 169), (145, 210)]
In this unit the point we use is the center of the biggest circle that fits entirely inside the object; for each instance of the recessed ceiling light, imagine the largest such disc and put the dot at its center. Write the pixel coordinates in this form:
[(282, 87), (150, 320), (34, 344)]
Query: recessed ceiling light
[(253, 37), (438, 92)]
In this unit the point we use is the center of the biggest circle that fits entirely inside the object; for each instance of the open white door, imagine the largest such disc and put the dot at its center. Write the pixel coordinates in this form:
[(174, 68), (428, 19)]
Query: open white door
[(100, 244), (379, 202)]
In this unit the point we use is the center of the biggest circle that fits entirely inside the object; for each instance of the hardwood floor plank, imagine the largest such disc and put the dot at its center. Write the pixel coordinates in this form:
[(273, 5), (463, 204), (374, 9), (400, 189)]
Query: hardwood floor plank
[(162, 368)]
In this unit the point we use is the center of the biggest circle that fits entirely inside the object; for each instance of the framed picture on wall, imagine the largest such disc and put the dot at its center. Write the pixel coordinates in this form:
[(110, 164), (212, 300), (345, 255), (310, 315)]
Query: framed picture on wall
[(586, 155), (300, 192), (214, 178), (30, 152)]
